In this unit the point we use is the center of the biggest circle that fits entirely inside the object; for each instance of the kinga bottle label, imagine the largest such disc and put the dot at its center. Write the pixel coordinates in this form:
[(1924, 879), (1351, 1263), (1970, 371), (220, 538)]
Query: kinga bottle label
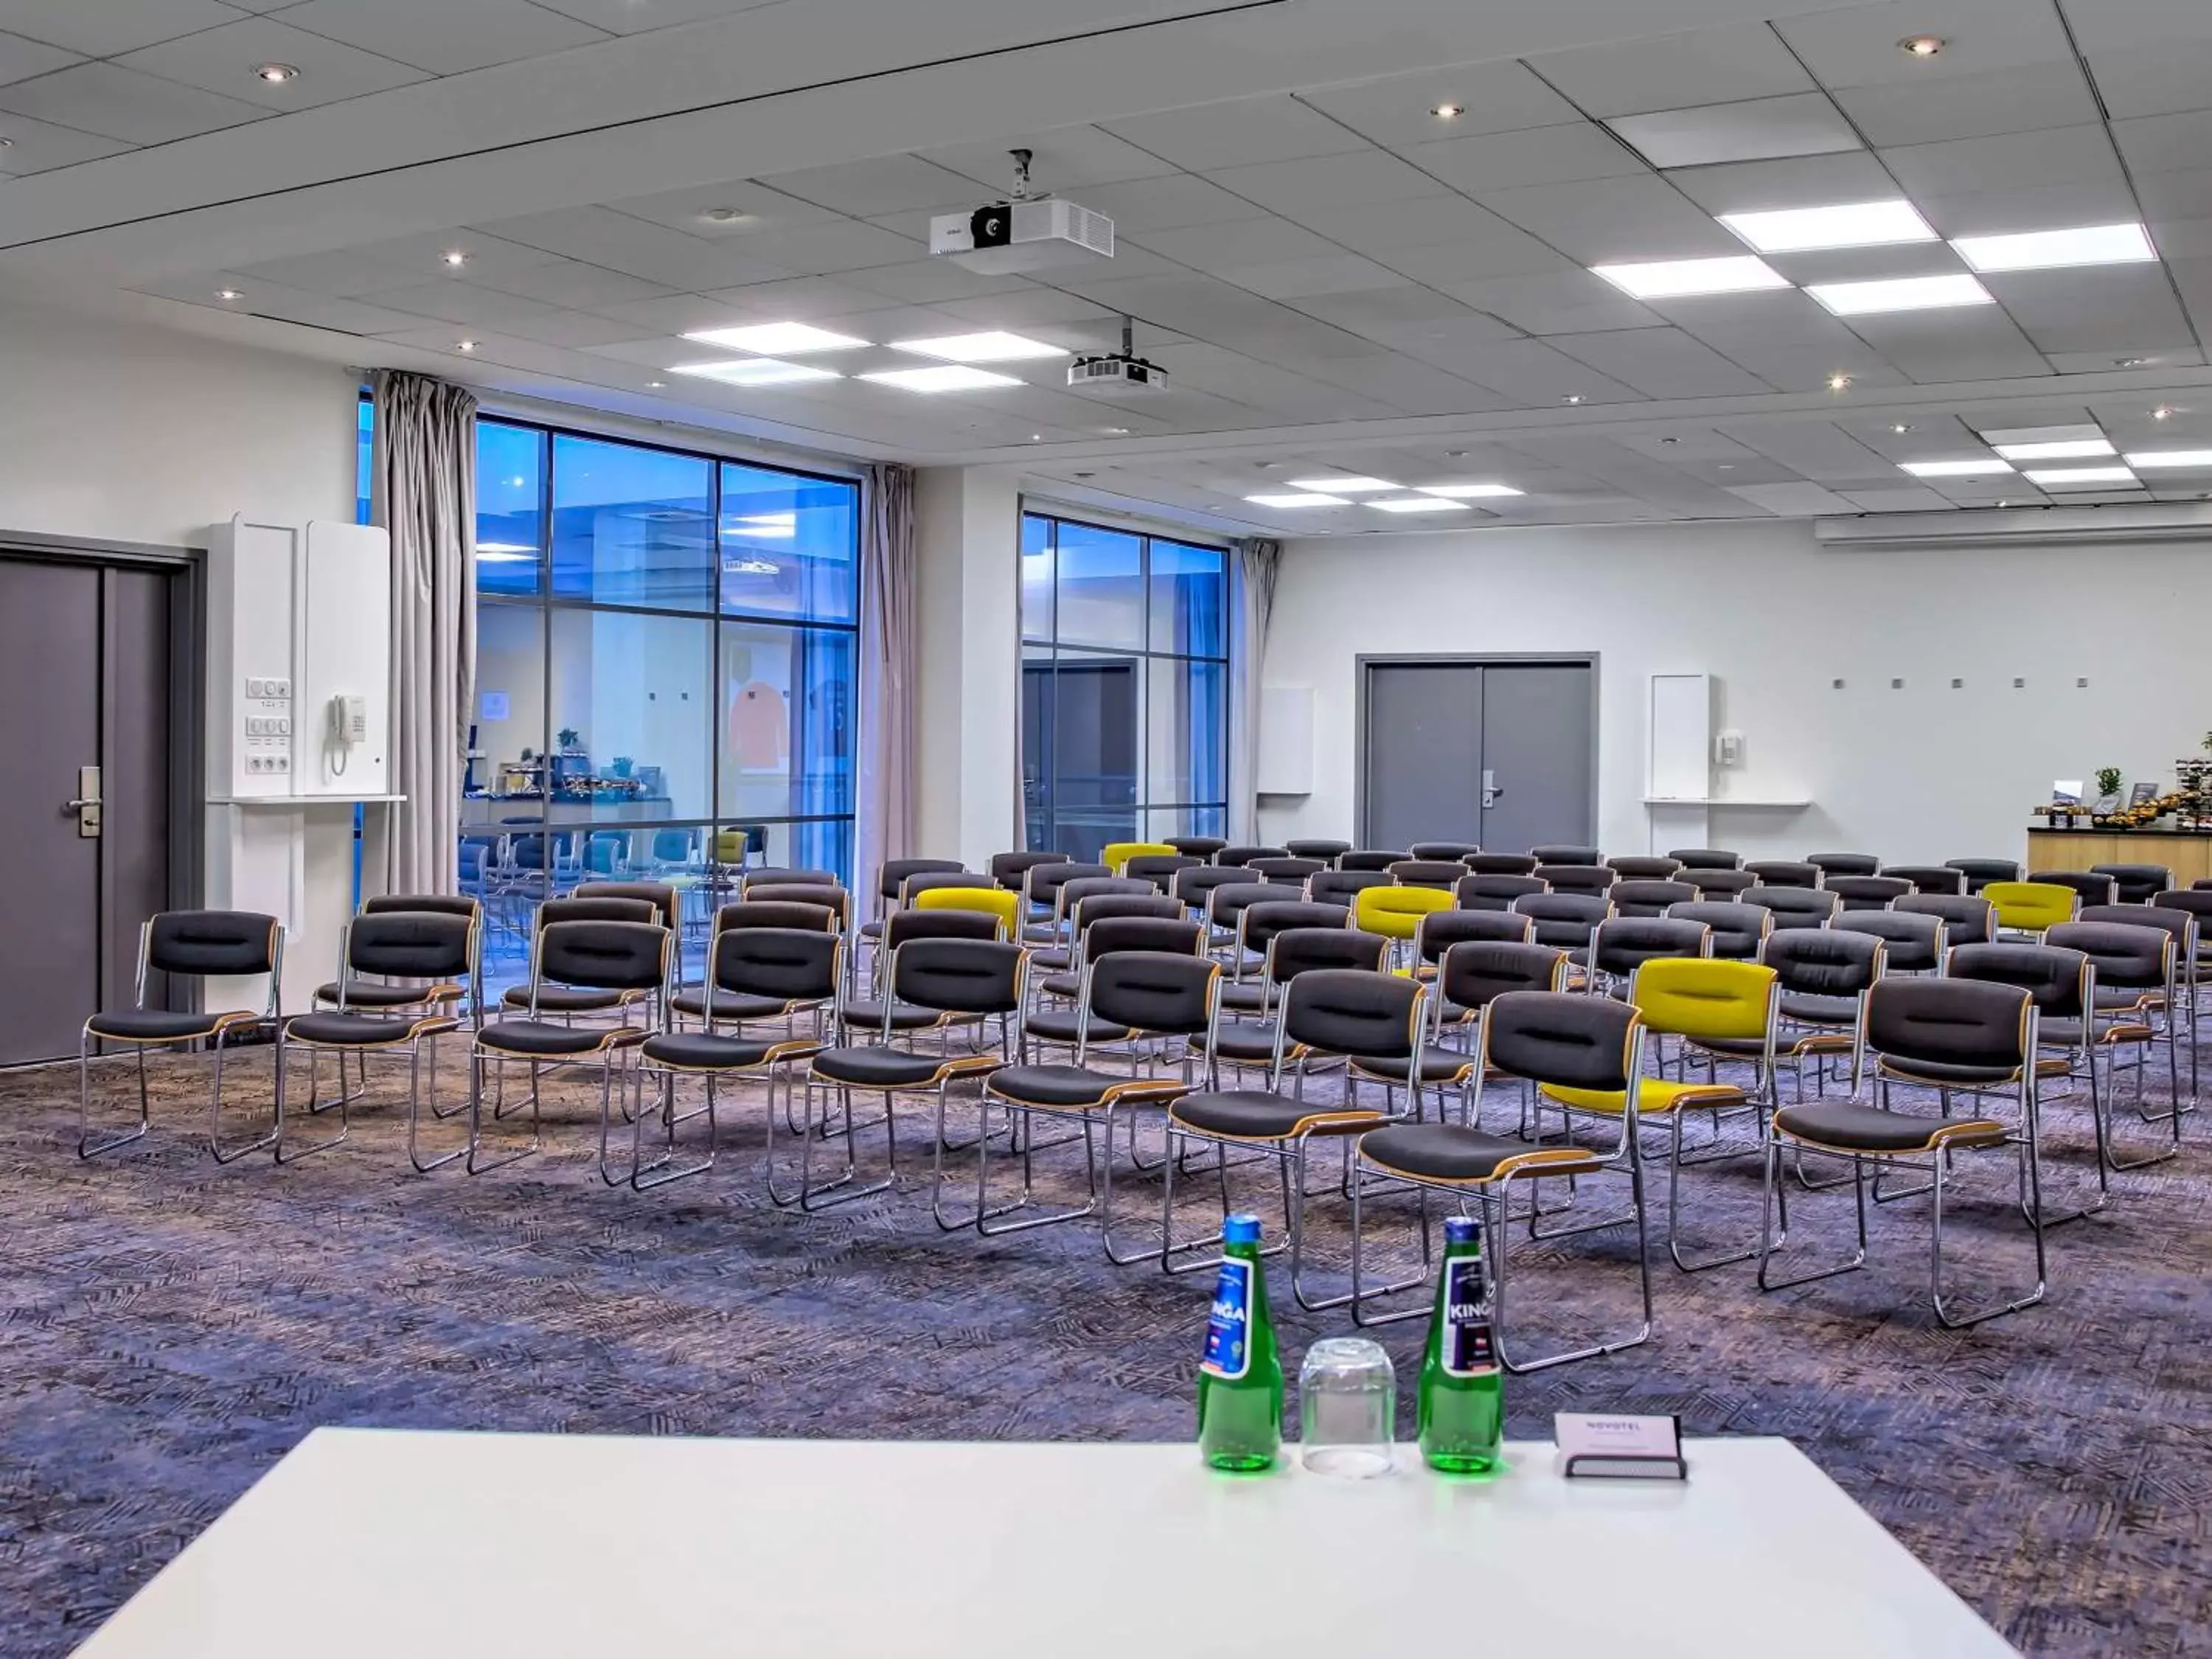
[(1228, 1329), (1468, 1350)]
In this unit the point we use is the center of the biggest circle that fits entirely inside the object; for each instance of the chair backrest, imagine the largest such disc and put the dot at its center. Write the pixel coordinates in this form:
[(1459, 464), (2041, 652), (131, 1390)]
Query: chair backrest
[(1738, 930), (782, 875), (1440, 930), (1910, 944), (1158, 868), (958, 975), (2029, 907), (589, 909), (664, 898), (1476, 972), (1498, 863), (1369, 857), (1644, 869), (1102, 907), (1566, 919), (1928, 877), (1152, 993), (1238, 857), (1980, 872), (1451, 852), (1396, 912), (1258, 923), (901, 925), (1784, 873), (1966, 920), (1726, 881), (1070, 895), (1825, 961), (1340, 1010), (1197, 846), (1623, 944), (2175, 920), (423, 904), (891, 880), (1116, 854), (1045, 881), (1569, 1041), (1439, 873), (606, 851), (1705, 998), (1295, 951), (1794, 907), (731, 846), (1868, 892), (1226, 906), (2093, 889), (1285, 871), (1110, 934), (792, 964), (410, 945), (1565, 853), (675, 846), (1494, 892), (2138, 884), (1649, 898), (2126, 955), (1576, 878), (826, 895), (1312, 847), (1011, 869), (1844, 863), (598, 955), (992, 900), (2058, 980), (924, 881), (2195, 904), (775, 913), (1193, 886), (1951, 1022), (1337, 886), (1705, 858)]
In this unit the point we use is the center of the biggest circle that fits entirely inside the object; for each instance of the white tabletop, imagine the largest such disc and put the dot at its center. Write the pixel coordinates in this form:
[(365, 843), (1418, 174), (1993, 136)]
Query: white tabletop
[(367, 1544)]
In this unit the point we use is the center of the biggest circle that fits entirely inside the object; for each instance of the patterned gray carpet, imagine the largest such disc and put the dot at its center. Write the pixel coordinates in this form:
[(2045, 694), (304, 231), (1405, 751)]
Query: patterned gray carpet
[(168, 1329)]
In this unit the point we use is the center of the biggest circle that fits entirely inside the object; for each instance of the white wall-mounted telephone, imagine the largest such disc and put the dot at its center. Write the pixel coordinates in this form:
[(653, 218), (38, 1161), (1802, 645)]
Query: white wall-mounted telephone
[(348, 725)]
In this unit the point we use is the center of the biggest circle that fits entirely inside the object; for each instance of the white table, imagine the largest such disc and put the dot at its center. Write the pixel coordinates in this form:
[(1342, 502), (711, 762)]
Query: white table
[(384, 1545)]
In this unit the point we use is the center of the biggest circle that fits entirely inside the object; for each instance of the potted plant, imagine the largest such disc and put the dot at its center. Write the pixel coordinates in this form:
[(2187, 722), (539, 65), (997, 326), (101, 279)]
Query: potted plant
[(570, 738), (2108, 781)]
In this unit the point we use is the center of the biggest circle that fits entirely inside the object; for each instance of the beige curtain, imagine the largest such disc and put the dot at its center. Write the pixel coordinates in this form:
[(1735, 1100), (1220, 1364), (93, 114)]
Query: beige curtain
[(424, 484), (885, 808), (1252, 569)]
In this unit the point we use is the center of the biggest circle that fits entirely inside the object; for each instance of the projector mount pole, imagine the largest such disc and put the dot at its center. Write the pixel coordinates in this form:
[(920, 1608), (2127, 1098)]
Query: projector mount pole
[(1021, 173)]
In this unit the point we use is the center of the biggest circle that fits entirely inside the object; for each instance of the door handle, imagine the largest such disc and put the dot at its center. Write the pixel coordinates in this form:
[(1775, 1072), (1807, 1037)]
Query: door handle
[(1491, 791), (87, 804)]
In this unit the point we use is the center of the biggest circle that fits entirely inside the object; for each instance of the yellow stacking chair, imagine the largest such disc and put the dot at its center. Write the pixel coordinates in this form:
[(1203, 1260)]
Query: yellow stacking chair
[(2029, 907), (1395, 913), (1117, 854), (1697, 1002), (992, 900)]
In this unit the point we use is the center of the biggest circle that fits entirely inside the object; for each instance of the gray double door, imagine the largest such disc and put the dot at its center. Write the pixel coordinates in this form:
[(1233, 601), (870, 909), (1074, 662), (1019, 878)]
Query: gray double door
[(1500, 753), (85, 728)]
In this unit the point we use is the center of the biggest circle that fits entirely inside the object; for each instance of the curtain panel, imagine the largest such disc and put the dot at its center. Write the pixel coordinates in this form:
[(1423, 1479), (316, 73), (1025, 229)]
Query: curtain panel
[(1252, 570), (885, 807)]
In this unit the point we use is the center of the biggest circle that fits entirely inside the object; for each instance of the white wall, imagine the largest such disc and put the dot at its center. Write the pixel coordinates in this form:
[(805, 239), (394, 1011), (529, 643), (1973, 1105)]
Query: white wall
[(1923, 773), (118, 432)]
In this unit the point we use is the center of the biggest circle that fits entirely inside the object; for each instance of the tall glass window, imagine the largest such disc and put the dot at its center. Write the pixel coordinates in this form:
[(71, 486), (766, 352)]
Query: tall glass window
[(1125, 686)]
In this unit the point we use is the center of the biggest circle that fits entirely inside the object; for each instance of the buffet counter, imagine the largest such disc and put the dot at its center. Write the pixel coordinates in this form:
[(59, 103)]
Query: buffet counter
[(2187, 853)]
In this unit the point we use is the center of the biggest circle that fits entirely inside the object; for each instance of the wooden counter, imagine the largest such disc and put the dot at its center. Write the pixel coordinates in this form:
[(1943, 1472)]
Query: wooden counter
[(2187, 853)]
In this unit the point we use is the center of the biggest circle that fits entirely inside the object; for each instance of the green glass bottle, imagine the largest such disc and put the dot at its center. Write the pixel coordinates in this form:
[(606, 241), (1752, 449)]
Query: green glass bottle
[(1240, 1381), (1462, 1411)]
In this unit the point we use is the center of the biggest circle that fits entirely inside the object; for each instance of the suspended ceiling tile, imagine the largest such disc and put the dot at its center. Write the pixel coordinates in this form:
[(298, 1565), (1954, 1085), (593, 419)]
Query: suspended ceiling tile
[(1506, 252), (1904, 498), (2170, 196), (573, 284), (1675, 71), (1856, 45), (1499, 96), (1660, 362), (1237, 132), (2165, 144), (1815, 449), (489, 258), (1241, 242), (2051, 155), (638, 16), (1960, 343), (1896, 113), (1602, 220), (802, 299), (925, 282), (1559, 302), (842, 244), (1380, 228), (763, 209), (1031, 307), (341, 272), (2159, 79), (570, 328), (41, 146), (601, 236), (1759, 129), (2112, 308), (441, 36), (100, 28), (1778, 317), (1792, 500), (1353, 179), (1808, 368), (1541, 156), (2034, 207), (21, 58), (885, 184), (1796, 181), (1535, 373), (460, 302), (1066, 160), (1138, 205), (1869, 264), (222, 60), (125, 105), (1342, 273)]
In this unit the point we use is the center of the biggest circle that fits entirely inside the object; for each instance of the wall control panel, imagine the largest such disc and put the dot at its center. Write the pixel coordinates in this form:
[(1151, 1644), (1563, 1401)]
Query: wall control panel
[(265, 739)]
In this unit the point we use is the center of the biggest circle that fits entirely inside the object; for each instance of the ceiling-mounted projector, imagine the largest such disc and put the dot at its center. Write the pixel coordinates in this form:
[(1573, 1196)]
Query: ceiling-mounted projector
[(1118, 371), (1022, 234)]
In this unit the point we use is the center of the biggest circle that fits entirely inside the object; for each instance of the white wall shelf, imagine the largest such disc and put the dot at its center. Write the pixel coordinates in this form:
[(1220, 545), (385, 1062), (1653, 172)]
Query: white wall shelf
[(1776, 804), (304, 800)]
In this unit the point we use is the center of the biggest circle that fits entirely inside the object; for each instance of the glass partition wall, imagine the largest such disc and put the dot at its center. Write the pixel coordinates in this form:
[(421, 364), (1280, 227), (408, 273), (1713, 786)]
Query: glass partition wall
[(1125, 686)]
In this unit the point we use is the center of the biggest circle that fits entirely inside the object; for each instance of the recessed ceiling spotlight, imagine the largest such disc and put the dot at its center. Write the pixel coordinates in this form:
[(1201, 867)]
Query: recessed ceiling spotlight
[(1572, 397), (454, 256), (1674, 279), (2131, 362), (1900, 428), (654, 386), (724, 216), (1036, 437), (7, 143), (777, 339), (1921, 45), (1115, 431), (228, 294), (2163, 412), (1455, 454), (1839, 383), (1447, 111), (276, 74), (464, 346)]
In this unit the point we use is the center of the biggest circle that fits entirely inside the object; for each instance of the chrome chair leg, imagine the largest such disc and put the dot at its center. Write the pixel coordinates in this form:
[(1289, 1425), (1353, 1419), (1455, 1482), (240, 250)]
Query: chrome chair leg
[(1960, 1321), (214, 1116), (344, 1102), (1496, 1233), (87, 1144), (474, 1165), (414, 1104)]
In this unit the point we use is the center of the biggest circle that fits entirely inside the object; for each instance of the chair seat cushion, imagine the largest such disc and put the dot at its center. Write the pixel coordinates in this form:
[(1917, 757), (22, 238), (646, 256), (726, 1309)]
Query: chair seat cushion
[(157, 1025), (1249, 998), (1050, 959), (1655, 1096), (1247, 1042), (1948, 1074), (872, 930), (352, 1031), (1062, 985), (1069, 1025), (879, 1066), (1451, 1151), (1260, 1115), (1437, 1065), (1869, 1129), (371, 993), (867, 1013), (566, 998), (1074, 1088), (698, 1051), (1808, 1009), (541, 1039), (728, 1005)]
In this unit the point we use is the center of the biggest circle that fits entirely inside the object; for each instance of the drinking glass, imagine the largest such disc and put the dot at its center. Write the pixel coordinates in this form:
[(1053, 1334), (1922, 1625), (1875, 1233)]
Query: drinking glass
[(1347, 1405)]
